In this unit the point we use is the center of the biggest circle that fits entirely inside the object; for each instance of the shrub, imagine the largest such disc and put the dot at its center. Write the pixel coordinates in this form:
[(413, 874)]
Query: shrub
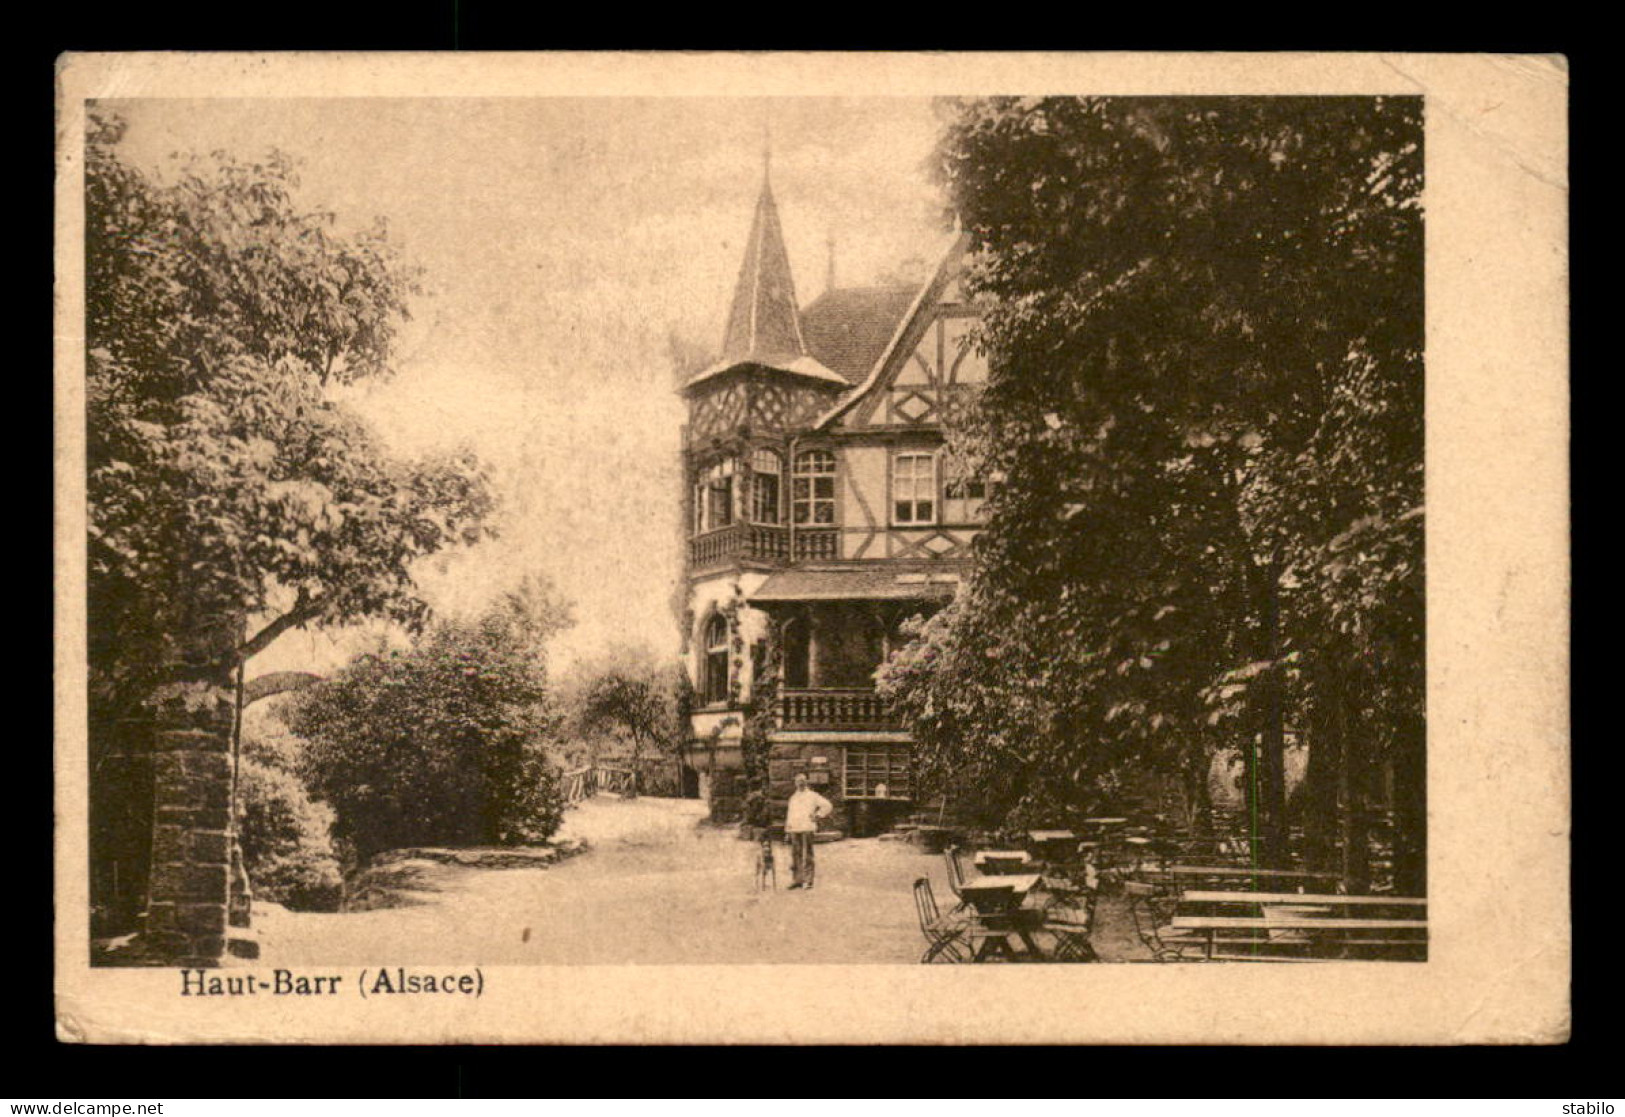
[(287, 839), (443, 744)]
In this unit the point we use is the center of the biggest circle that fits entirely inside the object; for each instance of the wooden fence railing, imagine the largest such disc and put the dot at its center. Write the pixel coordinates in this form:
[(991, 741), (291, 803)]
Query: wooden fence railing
[(585, 782)]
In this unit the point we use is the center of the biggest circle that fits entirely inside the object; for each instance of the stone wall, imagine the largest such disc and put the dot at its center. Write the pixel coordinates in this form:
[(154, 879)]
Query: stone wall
[(725, 792)]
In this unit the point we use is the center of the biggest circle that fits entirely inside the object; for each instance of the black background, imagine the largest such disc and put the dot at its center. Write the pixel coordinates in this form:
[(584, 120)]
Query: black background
[(36, 1067)]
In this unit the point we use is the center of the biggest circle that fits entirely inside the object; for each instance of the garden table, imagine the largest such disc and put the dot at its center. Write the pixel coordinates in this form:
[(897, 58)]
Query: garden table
[(1039, 837), (997, 902), (1053, 845), (1186, 876), (1001, 862)]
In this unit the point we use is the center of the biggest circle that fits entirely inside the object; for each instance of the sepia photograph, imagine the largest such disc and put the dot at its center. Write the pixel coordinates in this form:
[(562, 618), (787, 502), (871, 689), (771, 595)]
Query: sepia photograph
[(947, 530)]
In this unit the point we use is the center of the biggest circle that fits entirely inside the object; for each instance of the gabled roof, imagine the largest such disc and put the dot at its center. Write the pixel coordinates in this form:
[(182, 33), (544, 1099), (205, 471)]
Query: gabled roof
[(924, 298), (848, 328)]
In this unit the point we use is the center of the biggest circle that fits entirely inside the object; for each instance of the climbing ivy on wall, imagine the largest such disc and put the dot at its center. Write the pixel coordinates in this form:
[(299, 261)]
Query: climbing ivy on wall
[(761, 718)]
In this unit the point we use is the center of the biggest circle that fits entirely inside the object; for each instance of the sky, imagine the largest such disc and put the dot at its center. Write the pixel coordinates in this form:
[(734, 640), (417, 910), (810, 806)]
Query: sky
[(563, 241)]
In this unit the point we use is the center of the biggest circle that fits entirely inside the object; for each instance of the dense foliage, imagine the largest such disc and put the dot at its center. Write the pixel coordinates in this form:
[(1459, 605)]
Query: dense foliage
[(631, 697), (443, 743), (287, 839), (224, 482), (1204, 322)]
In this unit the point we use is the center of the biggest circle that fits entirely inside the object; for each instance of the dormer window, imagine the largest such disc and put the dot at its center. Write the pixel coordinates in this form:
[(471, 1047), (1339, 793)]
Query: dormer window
[(765, 469), (814, 487), (914, 488)]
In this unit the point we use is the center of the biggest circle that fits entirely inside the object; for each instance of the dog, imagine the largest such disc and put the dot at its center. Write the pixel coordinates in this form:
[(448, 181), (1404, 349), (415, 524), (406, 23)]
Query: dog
[(767, 876)]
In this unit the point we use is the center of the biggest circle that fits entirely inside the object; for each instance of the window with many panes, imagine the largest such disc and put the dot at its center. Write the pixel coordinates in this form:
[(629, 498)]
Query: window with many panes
[(714, 496), (877, 771), (765, 467), (813, 500), (716, 660), (914, 488)]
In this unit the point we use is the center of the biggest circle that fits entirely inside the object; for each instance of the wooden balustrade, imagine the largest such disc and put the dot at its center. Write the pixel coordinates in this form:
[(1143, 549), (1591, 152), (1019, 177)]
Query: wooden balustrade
[(834, 708), (817, 544), (750, 541), (764, 543)]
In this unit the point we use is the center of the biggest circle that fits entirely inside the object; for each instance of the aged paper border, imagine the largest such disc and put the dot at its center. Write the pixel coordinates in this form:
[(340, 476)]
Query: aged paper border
[(1498, 580)]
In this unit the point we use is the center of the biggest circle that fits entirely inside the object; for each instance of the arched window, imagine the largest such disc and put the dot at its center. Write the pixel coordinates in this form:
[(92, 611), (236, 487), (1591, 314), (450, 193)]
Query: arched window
[(814, 492), (765, 468), (716, 660)]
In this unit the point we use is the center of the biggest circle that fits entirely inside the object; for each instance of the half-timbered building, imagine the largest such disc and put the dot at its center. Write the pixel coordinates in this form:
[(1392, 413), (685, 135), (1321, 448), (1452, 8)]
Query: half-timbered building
[(823, 511)]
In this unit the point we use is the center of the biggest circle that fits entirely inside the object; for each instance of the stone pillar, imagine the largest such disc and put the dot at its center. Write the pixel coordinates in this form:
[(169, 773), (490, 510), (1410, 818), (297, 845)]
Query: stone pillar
[(189, 889)]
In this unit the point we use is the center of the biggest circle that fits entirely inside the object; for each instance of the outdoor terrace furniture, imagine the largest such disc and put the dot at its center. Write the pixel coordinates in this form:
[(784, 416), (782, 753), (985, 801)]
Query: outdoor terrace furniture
[(1296, 926), (1151, 911), (1294, 934), (1039, 837), (1231, 877), (997, 862), (942, 934), (1210, 848), (1052, 845), (996, 912), (956, 875), (1070, 919)]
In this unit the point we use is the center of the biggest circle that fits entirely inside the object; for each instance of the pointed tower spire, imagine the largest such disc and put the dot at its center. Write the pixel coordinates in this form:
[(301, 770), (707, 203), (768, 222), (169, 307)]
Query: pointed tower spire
[(764, 323)]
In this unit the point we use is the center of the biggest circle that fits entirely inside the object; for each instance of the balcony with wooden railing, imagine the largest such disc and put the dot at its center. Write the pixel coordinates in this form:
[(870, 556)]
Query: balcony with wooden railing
[(817, 543), (762, 543), (835, 708), (739, 541)]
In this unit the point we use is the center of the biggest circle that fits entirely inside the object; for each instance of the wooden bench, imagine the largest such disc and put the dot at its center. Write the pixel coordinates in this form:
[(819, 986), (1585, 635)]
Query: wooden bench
[(1295, 927), (1192, 876)]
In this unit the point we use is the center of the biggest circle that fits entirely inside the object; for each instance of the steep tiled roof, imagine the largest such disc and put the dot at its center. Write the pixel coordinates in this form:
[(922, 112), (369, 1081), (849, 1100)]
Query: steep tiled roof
[(762, 321), (847, 328), (764, 325)]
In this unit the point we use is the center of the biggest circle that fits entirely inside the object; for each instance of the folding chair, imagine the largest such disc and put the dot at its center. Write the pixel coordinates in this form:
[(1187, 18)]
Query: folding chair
[(1151, 912), (1072, 922), (942, 933), (956, 878)]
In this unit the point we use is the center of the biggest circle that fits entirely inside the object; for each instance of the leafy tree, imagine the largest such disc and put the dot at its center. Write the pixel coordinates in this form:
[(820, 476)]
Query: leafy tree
[(227, 491), (634, 696), (1204, 324), (445, 742)]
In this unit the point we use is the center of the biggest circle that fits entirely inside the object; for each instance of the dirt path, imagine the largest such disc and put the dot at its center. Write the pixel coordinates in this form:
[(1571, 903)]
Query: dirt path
[(655, 889)]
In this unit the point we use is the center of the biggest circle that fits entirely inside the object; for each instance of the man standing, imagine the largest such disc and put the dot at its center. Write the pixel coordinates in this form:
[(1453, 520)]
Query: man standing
[(801, 823)]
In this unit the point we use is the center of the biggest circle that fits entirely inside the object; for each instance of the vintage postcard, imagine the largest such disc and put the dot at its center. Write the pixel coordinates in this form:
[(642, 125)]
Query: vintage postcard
[(792, 548)]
